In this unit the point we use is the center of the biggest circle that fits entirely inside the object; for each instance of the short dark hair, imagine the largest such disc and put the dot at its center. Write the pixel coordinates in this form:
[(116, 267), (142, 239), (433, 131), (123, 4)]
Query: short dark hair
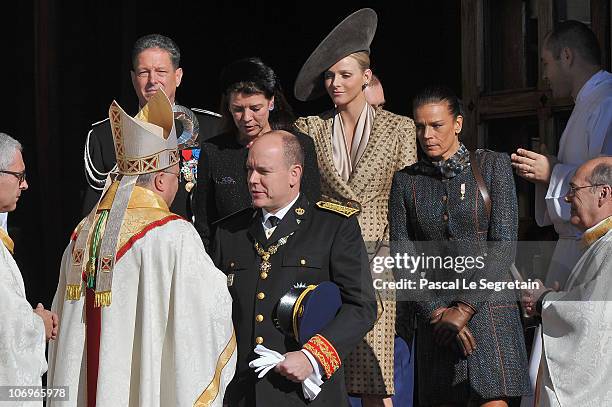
[(438, 94), (157, 41), (252, 76), (576, 36), (292, 149)]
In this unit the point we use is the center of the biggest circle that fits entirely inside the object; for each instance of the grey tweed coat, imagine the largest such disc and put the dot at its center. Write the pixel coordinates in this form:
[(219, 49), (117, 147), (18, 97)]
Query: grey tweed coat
[(451, 213)]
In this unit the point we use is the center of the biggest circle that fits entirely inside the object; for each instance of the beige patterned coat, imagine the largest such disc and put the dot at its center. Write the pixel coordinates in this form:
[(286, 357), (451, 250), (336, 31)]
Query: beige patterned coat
[(391, 147)]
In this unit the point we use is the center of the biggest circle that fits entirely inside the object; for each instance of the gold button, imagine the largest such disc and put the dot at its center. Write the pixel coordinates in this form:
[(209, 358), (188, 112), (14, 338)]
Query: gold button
[(263, 275), (259, 318), (232, 264), (259, 340), (261, 296), (302, 262)]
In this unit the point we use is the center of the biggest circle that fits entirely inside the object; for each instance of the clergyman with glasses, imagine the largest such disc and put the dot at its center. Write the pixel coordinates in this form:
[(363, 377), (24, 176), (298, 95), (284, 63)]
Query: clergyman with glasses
[(23, 330)]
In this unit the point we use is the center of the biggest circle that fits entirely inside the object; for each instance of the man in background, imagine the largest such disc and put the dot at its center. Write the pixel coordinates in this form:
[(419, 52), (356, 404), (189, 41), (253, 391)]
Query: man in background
[(155, 65), (571, 60)]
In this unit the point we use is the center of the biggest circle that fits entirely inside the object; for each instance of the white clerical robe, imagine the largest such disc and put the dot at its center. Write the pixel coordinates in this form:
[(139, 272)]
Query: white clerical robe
[(167, 337), (22, 332), (588, 134), (577, 333)]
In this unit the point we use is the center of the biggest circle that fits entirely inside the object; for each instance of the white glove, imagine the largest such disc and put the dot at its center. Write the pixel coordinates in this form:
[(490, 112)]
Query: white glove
[(268, 359)]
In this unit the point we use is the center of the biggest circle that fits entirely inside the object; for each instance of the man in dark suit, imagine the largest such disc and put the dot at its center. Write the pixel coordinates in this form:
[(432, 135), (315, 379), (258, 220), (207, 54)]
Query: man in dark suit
[(282, 243), (155, 61)]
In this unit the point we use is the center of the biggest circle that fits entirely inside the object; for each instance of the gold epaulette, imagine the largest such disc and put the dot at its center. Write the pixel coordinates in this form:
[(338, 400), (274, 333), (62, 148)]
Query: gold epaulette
[(338, 208)]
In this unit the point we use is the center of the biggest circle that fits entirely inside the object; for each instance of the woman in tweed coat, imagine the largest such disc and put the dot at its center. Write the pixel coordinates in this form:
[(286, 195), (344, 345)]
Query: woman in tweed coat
[(470, 345), (359, 148)]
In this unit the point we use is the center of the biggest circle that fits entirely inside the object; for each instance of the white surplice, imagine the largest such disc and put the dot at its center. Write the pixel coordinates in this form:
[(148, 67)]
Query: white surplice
[(167, 337), (588, 134), (577, 333), (22, 332)]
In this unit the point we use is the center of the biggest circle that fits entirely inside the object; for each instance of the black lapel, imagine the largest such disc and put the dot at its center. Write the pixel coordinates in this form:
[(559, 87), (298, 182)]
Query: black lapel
[(291, 221), (256, 228)]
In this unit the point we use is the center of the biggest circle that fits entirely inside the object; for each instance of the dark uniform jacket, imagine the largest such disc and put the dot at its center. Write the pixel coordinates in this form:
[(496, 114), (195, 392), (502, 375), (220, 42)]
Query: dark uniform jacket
[(325, 246), (102, 153), (222, 177), (442, 216)]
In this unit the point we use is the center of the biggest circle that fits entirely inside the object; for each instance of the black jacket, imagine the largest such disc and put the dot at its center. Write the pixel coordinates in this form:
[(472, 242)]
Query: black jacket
[(325, 246), (102, 153)]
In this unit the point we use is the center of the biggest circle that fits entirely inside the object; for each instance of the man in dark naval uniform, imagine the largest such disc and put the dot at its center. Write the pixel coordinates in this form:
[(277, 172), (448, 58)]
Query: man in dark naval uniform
[(155, 61), (282, 243)]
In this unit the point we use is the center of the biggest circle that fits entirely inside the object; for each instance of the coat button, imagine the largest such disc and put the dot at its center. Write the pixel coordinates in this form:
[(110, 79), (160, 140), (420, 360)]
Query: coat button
[(259, 340), (259, 318), (261, 296), (445, 217), (232, 264), (444, 198), (263, 275), (302, 262)]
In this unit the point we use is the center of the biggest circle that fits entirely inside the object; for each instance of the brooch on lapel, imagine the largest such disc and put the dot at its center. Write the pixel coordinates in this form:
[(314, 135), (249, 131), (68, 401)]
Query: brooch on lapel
[(225, 181)]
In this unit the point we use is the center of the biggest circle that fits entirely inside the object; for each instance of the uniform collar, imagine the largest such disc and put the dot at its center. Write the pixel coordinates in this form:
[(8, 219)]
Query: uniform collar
[(296, 213), (280, 213)]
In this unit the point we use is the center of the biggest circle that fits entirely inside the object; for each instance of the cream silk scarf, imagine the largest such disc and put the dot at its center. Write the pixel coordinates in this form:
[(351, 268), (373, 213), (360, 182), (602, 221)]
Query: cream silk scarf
[(343, 161)]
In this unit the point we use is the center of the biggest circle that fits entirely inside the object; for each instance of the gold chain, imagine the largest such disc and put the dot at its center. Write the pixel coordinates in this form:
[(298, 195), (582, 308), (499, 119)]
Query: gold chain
[(265, 265)]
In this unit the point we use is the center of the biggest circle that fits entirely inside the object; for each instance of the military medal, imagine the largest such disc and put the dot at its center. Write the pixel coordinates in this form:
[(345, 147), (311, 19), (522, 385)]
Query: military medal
[(189, 167)]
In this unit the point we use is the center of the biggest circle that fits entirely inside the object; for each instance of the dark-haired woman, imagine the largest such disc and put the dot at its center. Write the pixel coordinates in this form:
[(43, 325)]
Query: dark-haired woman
[(252, 104), (470, 345)]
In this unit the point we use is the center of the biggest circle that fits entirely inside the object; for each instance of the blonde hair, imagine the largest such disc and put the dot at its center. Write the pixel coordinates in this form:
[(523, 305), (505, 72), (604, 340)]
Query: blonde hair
[(362, 58)]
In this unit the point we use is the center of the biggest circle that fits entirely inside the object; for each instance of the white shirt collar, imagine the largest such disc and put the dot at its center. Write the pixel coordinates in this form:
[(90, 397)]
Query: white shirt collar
[(3, 218), (279, 214)]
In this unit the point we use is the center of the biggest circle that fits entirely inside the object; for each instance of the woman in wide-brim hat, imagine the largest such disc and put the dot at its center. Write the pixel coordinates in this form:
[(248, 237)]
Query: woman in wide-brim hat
[(359, 148), (252, 104)]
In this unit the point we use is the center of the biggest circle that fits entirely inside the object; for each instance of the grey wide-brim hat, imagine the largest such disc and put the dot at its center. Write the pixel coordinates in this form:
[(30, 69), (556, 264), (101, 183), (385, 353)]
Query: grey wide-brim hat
[(355, 33)]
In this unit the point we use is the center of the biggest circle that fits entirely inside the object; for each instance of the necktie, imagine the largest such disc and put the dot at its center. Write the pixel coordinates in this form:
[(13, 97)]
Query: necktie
[(274, 221)]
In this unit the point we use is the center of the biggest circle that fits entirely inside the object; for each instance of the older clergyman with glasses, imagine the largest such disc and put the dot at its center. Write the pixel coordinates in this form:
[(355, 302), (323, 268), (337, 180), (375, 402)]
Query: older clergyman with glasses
[(577, 320), (23, 331)]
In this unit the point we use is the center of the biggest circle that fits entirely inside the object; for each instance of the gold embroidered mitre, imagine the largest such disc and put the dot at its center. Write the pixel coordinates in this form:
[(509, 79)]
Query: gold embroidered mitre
[(147, 142), (144, 144)]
